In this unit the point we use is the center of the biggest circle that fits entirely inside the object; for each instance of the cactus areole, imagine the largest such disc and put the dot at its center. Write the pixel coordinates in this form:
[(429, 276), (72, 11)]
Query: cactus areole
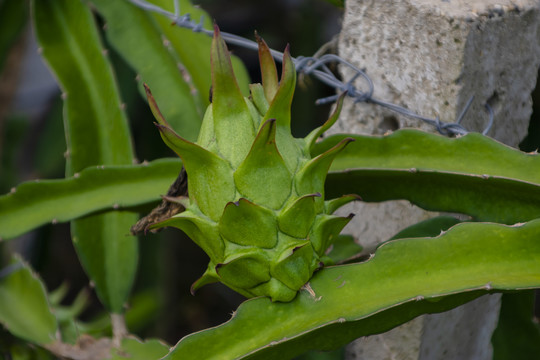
[(256, 197)]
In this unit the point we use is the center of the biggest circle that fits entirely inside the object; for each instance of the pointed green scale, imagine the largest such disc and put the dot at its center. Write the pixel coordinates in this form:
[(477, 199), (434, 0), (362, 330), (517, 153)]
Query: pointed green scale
[(244, 271), (295, 265), (263, 176), (209, 185), (325, 230), (203, 232), (312, 137), (280, 105), (256, 116), (209, 277), (332, 205), (275, 289), (207, 136), (154, 107), (269, 72), (174, 141), (310, 179), (233, 124), (297, 218), (280, 109), (248, 224), (210, 179), (258, 98)]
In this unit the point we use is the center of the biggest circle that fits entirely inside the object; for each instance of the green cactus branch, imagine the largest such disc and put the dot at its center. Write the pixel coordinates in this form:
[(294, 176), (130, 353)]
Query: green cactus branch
[(409, 149), (485, 198), (97, 133), (94, 189), (404, 279), (133, 33), (25, 310), (472, 174)]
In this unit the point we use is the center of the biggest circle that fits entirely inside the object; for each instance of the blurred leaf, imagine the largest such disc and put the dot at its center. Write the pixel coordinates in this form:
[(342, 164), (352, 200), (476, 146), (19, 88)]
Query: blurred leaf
[(97, 134), (96, 128), (57, 295), (135, 349), (24, 309), (109, 255), (25, 351), (517, 336), (134, 35), (97, 188), (69, 331), (99, 326), (472, 174), (72, 311), (142, 311), (404, 279), (193, 49)]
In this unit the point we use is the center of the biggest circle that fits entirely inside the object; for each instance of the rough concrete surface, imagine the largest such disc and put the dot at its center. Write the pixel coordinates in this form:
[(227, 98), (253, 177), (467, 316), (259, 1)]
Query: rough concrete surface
[(431, 56), (389, 346), (456, 334)]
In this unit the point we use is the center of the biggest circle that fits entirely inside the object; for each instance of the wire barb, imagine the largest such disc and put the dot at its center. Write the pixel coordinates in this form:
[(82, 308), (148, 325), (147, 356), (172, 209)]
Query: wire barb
[(316, 66)]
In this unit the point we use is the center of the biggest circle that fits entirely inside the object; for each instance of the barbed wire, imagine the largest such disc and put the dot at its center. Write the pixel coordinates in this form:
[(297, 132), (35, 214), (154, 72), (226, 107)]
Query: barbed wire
[(317, 67)]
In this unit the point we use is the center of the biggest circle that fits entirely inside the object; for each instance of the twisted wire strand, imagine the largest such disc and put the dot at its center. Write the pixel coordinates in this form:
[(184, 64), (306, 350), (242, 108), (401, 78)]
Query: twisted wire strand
[(317, 67)]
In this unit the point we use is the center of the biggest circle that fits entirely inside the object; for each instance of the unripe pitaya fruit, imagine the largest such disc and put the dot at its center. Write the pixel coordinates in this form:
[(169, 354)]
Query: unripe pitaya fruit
[(255, 203)]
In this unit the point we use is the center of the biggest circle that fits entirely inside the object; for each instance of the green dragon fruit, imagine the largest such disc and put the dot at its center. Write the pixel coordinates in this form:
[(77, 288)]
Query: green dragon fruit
[(256, 197)]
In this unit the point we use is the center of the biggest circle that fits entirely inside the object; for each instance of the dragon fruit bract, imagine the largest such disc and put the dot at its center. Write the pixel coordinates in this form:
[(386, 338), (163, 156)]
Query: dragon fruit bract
[(256, 197)]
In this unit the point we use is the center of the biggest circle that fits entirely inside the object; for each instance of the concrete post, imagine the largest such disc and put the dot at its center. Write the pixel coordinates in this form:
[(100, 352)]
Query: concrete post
[(431, 56)]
